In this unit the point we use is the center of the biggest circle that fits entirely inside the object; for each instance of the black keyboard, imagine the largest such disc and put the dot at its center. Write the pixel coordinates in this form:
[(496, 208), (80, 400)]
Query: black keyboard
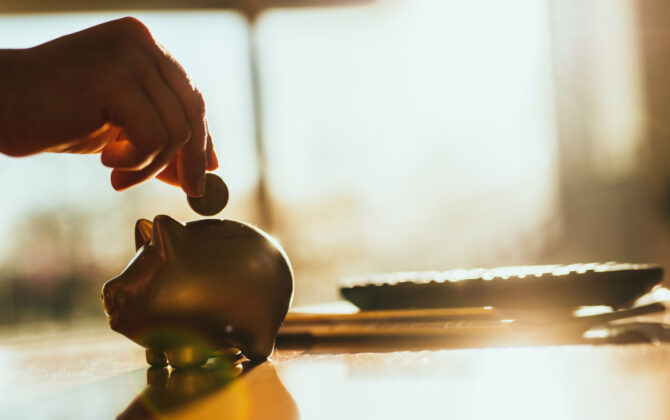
[(539, 287)]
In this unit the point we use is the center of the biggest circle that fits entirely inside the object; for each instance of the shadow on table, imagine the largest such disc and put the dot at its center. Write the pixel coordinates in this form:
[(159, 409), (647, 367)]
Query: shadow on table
[(213, 391)]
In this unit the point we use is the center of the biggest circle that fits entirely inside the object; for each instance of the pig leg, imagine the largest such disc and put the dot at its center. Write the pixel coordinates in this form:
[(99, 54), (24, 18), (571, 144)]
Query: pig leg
[(260, 350), (188, 356), (156, 358), (228, 353)]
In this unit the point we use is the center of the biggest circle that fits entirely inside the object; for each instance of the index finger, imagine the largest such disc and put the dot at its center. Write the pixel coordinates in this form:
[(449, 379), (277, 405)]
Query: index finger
[(192, 161), (141, 123)]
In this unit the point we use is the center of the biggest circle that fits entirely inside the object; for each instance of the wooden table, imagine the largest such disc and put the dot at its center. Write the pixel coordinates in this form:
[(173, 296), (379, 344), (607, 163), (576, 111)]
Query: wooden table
[(87, 371)]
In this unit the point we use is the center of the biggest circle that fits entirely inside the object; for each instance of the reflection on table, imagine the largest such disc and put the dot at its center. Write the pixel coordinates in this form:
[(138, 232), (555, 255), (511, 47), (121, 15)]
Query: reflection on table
[(94, 373)]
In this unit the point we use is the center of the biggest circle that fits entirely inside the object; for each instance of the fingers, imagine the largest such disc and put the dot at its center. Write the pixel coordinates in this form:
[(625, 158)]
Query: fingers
[(122, 179), (192, 157), (97, 140), (138, 88), (169, 175), (92, 143), (142, 124), (176, 126)]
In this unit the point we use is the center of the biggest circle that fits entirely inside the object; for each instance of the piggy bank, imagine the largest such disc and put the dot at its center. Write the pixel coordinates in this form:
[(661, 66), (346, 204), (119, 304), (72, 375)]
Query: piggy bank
[(192, 290)]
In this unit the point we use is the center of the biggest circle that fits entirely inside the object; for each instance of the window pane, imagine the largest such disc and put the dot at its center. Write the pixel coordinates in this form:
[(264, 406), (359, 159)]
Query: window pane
[(409, 135)]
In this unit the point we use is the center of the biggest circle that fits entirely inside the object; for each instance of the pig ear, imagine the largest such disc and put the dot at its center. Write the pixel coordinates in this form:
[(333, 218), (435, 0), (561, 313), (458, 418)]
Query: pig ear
[(167, 234), (142, 233)]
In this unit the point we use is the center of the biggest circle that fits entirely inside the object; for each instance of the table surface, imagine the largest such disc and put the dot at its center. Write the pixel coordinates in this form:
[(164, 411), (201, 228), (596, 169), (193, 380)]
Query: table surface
[(84, 370)]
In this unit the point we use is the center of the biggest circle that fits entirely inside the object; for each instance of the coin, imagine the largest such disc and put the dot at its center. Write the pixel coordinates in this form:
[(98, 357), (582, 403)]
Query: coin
[(214, 199)]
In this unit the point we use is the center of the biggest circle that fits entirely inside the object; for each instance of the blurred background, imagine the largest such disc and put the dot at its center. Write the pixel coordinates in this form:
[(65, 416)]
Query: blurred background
[(389, 135)]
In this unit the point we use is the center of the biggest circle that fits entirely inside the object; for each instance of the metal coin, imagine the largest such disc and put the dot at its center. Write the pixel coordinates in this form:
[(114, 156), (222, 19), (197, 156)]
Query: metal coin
[(215, 198)]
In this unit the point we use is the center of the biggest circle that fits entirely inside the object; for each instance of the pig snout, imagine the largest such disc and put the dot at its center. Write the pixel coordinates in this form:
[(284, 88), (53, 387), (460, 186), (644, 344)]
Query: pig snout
[(130, 284), (114, 298)]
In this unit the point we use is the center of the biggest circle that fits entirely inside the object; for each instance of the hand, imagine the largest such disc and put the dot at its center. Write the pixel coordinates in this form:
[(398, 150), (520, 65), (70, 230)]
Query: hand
[(110, 89)]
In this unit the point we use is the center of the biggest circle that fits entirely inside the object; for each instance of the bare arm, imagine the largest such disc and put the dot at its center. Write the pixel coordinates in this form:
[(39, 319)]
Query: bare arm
[(110, 89)]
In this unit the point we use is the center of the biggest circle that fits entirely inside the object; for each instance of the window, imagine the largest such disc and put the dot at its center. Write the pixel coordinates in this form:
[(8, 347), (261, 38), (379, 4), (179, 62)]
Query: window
[(401, 135)]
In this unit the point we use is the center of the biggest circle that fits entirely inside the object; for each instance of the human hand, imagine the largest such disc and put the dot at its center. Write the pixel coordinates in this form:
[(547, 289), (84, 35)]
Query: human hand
[(109, 89)]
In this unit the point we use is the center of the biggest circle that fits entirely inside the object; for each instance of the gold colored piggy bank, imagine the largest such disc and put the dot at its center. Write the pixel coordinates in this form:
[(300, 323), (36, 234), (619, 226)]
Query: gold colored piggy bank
[(195, 289)]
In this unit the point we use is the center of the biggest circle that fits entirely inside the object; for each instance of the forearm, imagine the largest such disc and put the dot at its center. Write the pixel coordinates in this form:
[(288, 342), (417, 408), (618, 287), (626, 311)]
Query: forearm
[(11, 85)]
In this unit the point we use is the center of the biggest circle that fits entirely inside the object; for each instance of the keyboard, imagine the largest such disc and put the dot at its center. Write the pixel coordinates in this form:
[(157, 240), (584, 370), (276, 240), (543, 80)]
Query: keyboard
[(538, 287)]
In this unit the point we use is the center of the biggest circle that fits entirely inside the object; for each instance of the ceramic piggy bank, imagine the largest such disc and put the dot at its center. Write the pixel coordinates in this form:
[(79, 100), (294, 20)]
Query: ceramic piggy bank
[(195, 289)]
